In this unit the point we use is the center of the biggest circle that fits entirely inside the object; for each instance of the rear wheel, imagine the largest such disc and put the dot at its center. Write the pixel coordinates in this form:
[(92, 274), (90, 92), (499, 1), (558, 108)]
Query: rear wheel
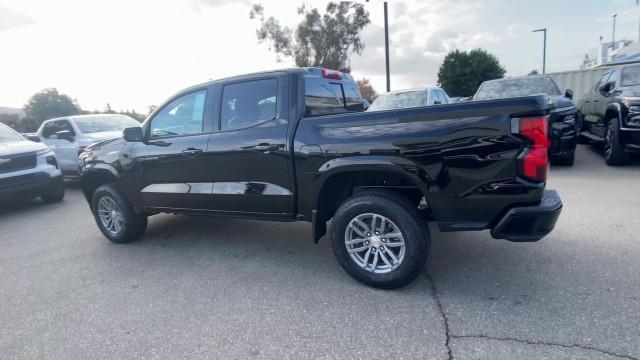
[(613, 149), (115, 217), (379, 239)]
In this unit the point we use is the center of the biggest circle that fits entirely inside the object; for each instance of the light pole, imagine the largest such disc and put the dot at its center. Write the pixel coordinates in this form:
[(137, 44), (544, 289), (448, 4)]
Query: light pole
[(544, 49), (613, 33), (386, 46)]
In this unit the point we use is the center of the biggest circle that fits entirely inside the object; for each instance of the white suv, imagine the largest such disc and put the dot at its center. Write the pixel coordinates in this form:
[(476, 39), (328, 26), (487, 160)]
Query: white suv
[(68, 136), (28, 169)]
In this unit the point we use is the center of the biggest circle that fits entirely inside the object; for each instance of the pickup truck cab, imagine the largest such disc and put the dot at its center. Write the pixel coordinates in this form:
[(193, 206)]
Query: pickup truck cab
[(611, 112), (296, 144), (68, 136)]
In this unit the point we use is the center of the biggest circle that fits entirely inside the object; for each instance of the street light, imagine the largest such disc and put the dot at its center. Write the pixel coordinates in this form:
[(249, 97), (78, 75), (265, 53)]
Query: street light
[(386, 45), (544, 49), (613, 34)]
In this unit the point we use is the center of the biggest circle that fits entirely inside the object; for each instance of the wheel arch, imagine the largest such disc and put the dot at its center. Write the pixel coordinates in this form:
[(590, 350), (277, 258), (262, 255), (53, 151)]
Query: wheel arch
[(344, 177), (94, 178)]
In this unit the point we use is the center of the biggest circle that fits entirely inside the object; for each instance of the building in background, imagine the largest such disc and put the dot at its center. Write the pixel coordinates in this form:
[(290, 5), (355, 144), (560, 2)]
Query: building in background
[(608, 53)]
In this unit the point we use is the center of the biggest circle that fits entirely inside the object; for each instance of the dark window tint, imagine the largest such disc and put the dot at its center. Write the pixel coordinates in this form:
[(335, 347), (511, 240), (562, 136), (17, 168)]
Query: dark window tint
[(352, 97), (182, 116), (323, 97), (51, 128), (248, 103), (516, 88), (631, 76)]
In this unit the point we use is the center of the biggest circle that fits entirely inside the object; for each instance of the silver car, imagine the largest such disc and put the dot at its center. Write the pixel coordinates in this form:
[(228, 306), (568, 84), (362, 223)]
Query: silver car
[(68, 136), (409, 98), (27, 169)]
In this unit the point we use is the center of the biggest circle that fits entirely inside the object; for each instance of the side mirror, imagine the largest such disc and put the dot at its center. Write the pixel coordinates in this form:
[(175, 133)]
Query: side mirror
[(437, 102), (606, 88), (133, 134), (568, 94), (64, 135)]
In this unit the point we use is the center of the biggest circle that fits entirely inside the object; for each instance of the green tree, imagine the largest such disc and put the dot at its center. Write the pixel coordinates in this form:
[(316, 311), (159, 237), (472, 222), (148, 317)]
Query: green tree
[(533, 72), (324, 40), (461, 73), (366, 89), (47, 104)]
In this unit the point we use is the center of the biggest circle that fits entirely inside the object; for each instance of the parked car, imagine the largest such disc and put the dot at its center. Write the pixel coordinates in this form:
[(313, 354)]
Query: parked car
[(68, 136), (563, 115), (27, 169), (611, 113), (410, 98), (288, 145)]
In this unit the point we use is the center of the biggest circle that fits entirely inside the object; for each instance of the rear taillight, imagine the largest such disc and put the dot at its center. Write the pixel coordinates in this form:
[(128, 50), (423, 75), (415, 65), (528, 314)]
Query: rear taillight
[(534, 162), (331, 74)]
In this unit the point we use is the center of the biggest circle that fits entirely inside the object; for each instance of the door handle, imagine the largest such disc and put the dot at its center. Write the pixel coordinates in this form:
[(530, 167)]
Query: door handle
[(192, 151), (266, 147)]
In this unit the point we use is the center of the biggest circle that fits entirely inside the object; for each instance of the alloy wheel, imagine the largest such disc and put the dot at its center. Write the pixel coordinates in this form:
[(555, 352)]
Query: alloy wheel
[(110, 215), (375, 243)]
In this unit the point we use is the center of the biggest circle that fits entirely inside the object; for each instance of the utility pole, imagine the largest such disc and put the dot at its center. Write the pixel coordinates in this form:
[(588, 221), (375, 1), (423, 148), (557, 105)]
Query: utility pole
[(386, 45), (544, 49)]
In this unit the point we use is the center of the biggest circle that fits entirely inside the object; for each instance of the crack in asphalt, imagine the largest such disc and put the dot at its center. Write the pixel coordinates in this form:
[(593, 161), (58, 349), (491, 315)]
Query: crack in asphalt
[(545, 343), (445, 320), (450, 336)]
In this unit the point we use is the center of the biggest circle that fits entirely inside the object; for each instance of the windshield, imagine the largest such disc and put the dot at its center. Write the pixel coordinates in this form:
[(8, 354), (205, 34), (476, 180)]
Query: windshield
[(399, 100), (516, 88), (631, 76), (7, 134), (95, 124)]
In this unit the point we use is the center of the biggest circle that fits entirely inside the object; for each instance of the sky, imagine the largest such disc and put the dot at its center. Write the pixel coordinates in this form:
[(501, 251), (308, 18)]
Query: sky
[(136, 53)]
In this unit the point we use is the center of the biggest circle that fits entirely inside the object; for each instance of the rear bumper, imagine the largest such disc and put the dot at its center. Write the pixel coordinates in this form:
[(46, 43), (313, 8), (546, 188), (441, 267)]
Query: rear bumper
[(530, 223)]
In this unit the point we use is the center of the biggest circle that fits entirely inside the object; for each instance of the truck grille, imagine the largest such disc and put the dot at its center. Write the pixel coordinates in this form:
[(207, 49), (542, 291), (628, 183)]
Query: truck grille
[(17, 162)]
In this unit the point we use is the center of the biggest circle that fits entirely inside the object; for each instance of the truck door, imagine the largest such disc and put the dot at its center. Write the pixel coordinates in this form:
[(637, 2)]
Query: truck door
[(593, 107), (249, 156), (172, 160), (59, 135)]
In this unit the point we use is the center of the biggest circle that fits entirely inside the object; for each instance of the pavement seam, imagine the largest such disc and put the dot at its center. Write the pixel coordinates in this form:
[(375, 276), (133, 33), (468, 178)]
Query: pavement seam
[(445, 320), (545, 343)]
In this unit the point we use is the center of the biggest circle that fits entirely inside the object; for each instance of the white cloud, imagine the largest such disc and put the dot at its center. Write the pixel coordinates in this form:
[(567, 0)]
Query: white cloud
[(10, 19), (132, 54)]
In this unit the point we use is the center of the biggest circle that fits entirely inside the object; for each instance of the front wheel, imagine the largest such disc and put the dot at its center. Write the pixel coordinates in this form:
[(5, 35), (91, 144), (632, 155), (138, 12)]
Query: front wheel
[(115, 217), (613, 148), (564, 160), (379, 239)]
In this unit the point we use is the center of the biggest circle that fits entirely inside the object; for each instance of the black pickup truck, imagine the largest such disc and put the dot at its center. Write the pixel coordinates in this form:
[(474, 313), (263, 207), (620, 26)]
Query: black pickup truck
[(295, 145)]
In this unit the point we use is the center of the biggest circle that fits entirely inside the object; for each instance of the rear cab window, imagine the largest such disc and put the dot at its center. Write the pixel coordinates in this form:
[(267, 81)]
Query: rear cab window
[(330, 92)]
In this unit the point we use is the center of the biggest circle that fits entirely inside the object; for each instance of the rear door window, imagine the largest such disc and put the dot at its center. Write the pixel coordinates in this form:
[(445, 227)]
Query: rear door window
[(248, 103), (352, 97)]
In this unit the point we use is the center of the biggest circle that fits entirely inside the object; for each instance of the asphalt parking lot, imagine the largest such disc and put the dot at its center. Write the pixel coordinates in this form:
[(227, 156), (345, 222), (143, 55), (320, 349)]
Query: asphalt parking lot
[(202, 288)]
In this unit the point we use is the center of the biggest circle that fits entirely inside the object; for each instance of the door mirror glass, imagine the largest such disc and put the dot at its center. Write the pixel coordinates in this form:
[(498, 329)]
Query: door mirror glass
[(133, 134), (63, 135), (568, 94)]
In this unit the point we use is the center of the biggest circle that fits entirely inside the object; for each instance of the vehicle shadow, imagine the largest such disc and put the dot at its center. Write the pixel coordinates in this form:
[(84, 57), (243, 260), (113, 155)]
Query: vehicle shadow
[(23, 206)]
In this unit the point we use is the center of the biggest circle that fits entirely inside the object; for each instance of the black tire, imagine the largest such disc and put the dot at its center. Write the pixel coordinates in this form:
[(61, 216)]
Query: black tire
[(614, 154), (564, 160), (134, 224), (405, 217), (53, 197)]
